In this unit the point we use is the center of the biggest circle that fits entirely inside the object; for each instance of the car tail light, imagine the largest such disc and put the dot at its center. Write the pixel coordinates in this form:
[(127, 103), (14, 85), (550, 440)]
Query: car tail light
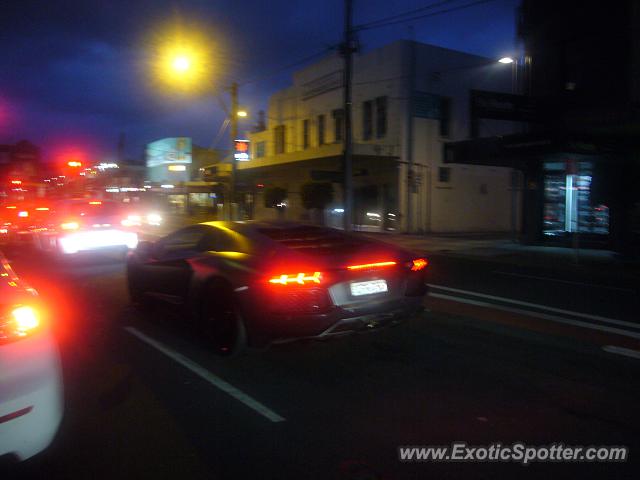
[(23, 214), (20, 322), (418, 264), (70, 226), (297, 278), (369, 266)]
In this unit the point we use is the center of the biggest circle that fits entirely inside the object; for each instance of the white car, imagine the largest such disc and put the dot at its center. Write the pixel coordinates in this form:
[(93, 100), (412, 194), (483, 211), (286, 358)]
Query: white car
[(83, 225), (31, 395)]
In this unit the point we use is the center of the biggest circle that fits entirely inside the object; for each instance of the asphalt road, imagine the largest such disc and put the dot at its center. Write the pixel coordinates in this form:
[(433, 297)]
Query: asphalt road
[(145, 398)]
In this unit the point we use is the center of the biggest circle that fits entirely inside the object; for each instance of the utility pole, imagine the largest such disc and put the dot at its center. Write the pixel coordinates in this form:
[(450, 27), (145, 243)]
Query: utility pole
[(348, 48), (234, 135)]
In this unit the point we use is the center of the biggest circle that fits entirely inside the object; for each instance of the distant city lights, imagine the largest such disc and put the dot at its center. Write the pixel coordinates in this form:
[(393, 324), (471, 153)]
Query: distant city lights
[(106, 166)]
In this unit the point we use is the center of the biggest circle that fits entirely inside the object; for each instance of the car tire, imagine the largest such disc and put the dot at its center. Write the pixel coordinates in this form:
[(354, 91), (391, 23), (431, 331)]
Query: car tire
[(221, 322)]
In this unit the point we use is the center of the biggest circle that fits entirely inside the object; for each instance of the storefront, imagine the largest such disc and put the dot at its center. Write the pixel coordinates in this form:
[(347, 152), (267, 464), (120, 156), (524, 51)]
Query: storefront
[(578, 190), (568, 204)]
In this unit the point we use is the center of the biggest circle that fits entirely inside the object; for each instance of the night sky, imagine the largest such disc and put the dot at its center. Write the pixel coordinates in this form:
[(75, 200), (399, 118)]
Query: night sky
[(76, 74)]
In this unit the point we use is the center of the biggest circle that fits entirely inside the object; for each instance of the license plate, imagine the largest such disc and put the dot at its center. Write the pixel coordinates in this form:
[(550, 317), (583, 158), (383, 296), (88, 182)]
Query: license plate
[(368, 288)]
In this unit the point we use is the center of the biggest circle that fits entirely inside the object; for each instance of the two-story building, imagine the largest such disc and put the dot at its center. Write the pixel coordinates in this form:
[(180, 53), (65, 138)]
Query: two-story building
[(408, 99)]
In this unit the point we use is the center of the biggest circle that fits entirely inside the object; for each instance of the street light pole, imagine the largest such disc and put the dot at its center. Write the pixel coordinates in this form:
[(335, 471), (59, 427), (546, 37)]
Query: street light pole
[(347, 165), (234, 136)]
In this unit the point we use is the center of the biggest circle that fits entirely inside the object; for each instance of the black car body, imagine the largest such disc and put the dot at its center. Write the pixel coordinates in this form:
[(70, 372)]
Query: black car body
[(282, 281)]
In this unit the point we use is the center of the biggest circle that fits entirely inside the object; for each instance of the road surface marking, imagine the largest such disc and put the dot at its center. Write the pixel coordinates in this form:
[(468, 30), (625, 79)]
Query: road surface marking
[(547, 279), (627, 352), (544, 316), (208, 376), (540, 307)]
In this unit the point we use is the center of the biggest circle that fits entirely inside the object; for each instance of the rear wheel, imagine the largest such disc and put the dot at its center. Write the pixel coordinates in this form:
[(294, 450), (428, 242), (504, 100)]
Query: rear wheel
[(221, 321)]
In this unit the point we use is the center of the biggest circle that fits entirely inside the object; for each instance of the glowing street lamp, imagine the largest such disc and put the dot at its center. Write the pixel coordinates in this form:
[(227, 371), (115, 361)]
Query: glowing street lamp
[(506, 60), (181, 63)]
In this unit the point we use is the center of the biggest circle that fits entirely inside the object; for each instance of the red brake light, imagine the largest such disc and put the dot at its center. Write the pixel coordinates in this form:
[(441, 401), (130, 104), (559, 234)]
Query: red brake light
[(20, 322), (23, 214), (366, 266), (43, 209), (95, 203), (297, 278), (419, 264)]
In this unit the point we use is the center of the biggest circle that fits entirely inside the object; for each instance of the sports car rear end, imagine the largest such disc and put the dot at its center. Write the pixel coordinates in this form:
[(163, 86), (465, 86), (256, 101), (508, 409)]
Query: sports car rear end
[(322, 282)]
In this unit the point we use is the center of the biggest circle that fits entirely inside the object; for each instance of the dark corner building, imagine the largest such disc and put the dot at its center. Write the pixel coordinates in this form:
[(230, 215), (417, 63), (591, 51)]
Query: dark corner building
[(577, 101)]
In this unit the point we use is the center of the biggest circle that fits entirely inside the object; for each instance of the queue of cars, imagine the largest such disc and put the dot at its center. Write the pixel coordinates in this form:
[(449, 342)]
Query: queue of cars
[(246, 284), (71, 226)]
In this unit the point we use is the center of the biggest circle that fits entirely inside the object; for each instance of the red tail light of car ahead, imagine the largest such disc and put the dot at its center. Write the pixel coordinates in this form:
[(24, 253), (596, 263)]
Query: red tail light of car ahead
[(23, 214), (369, 266), (419, 264), (20, 322), (297, 278)]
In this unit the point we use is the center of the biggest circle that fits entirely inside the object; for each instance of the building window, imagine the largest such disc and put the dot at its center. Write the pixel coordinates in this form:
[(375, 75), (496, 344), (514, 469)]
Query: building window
[(321, 129), (445, 117), (381, 117), (444, 174), (305, 134), (279, 140), (338, 123), (260, 149), (367, 120)]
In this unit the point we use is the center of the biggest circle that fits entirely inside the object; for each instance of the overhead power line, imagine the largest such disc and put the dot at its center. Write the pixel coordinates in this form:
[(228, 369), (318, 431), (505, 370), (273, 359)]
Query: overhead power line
[(404, 14), (384, 23)]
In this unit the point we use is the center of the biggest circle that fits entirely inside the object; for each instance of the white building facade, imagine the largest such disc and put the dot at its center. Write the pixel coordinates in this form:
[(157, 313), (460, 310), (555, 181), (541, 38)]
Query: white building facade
[(408, 100)]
